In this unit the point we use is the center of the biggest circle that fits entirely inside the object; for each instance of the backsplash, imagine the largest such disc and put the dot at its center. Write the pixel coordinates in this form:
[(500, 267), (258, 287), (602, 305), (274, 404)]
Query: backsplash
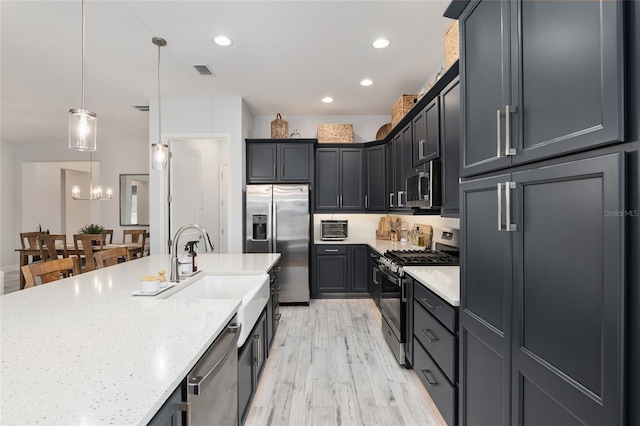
[(363, 226)]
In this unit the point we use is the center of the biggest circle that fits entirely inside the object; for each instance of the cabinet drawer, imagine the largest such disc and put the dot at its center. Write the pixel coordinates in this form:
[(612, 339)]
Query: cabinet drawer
[(436, 339), (441, 391), (331, 249), (444, 312)]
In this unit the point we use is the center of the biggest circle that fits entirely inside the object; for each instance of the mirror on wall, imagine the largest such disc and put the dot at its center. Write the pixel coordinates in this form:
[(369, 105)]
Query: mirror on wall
[(134, 200)]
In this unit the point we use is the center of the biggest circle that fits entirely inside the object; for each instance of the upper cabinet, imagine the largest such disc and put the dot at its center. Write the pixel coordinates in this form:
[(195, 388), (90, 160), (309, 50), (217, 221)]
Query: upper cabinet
[(450, 140), (426, 134), (526, 63), (272, 162), (339, 179), (375, 181)]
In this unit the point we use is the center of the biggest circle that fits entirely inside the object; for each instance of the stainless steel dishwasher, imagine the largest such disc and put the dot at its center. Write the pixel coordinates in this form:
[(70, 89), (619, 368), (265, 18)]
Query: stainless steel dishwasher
[(212, 384)]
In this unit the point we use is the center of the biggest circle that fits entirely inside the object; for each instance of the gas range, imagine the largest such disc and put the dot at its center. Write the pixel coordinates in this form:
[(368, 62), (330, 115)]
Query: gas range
[(446, 253)]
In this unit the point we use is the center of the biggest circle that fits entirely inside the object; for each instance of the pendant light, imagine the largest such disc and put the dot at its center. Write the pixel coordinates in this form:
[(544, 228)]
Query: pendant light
[(95, 192), (82, 122), (159, 150)]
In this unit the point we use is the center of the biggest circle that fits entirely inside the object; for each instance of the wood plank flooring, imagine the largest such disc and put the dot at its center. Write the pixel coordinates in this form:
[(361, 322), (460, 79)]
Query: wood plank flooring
[(329, 365)]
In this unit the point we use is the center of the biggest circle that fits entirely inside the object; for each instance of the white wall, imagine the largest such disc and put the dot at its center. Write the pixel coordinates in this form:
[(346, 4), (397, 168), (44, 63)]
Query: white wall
[(199, 118), (365, 127), (114, 157)]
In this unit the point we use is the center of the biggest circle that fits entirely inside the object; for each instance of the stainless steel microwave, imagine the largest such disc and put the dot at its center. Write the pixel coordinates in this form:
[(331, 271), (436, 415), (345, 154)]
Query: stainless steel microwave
[(424, 188), (335, 230)]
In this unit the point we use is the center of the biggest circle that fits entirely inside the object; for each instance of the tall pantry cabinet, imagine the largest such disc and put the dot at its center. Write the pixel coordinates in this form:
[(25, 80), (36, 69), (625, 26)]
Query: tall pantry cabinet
[(543, 309)]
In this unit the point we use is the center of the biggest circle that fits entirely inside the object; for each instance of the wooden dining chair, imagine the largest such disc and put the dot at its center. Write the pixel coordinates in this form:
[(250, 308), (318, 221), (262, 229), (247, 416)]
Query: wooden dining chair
[(29, 240), (85, 245), (108, 236), (112, 257), (51, 270), (136, 236), (53, 246)]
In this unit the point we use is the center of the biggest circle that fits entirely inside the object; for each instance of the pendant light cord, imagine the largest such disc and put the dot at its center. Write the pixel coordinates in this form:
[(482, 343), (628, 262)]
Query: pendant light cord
[(83, 43), (159, 102)]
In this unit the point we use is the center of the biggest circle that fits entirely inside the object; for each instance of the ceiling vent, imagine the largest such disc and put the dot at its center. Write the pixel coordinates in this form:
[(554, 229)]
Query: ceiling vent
[(142, 108), (203, 69)]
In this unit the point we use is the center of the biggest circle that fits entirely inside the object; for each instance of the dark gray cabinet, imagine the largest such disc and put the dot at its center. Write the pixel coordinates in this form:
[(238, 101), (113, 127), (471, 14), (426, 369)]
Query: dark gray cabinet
[(339, 179), (402, 164), (450, 144), (358, 265), (539, 79), (390, 202), (426, 134), (251, 359), (340, 270), (542, 299), (170, 414), (375, 178), (270, 162)]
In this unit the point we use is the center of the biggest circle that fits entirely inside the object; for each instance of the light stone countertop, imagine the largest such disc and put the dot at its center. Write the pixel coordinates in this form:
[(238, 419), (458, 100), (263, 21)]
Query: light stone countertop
[(84, 351), (442, 280)]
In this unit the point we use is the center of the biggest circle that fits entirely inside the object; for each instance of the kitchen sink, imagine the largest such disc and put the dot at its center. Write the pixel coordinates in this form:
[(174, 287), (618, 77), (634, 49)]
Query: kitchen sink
[(253, 290)]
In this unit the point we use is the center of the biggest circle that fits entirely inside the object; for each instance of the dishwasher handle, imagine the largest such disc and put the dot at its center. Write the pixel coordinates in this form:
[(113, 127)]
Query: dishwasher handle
[(195, 382)]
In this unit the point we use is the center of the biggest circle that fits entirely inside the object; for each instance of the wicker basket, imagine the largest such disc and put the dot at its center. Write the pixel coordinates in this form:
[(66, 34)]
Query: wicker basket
[(402, 107), (335, 133), (279, 128), (451, 45)]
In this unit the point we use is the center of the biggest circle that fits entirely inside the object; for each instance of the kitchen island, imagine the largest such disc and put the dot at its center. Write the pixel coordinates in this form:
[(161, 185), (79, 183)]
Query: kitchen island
[(83, 350)]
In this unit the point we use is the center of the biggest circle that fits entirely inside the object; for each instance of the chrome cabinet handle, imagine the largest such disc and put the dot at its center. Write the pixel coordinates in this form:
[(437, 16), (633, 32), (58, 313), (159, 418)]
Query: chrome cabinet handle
[(508, 110), (507, 226), (391, 199), (421, 149), (498, 134), (400, 203), (426, 302), (274, 171), (429, 335), (341, 201), (185, 407), (282, 170), (366, 201), (427, 375), (330, 250)]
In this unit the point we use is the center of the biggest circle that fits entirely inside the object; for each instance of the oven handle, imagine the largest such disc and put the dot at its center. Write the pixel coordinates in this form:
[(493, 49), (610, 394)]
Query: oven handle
[(390, 276)]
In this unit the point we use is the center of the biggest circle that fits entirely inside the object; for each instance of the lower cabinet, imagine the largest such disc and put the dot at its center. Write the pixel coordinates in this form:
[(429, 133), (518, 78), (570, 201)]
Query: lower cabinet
[(434, 349), (340, 270), (251, 359), (170, 413)]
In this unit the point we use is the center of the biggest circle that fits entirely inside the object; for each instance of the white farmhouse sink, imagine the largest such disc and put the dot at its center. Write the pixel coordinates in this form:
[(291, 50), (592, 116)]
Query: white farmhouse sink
[(252, 289)]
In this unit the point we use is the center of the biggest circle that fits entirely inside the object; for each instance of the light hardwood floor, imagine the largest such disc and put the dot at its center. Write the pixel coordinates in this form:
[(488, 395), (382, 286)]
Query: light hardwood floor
[(329, 365)]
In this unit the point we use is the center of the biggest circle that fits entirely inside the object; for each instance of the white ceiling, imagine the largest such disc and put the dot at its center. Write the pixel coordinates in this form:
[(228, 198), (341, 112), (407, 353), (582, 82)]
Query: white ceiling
[(286, 56)]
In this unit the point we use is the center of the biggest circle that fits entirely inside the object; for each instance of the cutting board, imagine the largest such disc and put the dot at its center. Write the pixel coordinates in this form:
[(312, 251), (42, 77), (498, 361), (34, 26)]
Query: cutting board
[(427, 230)]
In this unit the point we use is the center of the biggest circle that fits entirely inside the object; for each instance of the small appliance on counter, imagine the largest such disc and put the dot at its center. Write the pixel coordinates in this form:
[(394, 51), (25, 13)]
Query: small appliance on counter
[(334, 230)]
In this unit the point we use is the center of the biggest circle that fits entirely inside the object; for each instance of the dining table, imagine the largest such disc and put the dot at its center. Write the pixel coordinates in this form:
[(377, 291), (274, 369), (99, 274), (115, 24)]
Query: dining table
[(27, 253)]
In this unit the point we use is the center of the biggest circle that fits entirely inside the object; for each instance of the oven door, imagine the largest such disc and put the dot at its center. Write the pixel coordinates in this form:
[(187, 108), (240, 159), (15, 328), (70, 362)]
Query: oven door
[(393, 302)]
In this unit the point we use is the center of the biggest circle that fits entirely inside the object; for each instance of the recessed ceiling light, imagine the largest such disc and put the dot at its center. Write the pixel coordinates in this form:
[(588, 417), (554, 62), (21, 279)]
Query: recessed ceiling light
[(222, 41), (381, 43), (366, 82), (327, 100)]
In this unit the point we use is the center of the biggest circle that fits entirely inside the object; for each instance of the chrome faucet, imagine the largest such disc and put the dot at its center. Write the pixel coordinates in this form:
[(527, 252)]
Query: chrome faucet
[(175, 262)]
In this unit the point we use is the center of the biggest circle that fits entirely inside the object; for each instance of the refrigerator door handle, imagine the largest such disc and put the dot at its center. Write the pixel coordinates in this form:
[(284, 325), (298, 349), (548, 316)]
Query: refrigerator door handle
[(274, 233)]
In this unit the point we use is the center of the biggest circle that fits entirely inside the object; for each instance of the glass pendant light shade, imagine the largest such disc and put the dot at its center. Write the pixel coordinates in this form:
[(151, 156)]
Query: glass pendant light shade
[(82, 130), (159, 156)]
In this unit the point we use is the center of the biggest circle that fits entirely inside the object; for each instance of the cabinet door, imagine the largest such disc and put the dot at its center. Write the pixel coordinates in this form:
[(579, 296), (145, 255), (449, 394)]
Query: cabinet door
[(571, 85), (169, 414), (390, 200), (485, 307), (246, 382), (262, 162), (409, 319), (327, 179), (331, 274), (375, 188), (359, 266), (295, 160), (450, 135), (351, 179), (484, 75), (402, 159), (432, 121), (568, 344), (260, 345), (419, 138)]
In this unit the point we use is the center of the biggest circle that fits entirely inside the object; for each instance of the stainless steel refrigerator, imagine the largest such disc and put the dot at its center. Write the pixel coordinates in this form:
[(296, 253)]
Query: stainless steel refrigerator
[(277, 220)]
